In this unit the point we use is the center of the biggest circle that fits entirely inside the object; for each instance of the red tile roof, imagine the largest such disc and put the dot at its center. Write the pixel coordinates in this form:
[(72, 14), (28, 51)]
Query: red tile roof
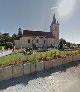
[(37, 33), (29, 33)]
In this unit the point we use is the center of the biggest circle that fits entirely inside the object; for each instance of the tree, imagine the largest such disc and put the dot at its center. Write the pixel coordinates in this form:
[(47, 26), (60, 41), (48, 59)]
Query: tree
[(14, 36), (68, 44), (0, 34), (6, 37), (62, 43), (1, 38), (19, 32)]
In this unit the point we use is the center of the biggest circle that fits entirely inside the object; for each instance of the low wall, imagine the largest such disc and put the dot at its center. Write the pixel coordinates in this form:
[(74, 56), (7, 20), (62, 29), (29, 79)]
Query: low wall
[(33, 68), (57, 62), (27, 68), (67, 59), (47, 64), (75, 58), (5, 73), (40, 66), (17, 70)]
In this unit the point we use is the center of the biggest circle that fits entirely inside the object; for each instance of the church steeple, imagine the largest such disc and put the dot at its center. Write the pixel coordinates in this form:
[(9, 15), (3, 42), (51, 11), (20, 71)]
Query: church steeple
[(54, 20), (54, 29), (54, 16), (57, 23)]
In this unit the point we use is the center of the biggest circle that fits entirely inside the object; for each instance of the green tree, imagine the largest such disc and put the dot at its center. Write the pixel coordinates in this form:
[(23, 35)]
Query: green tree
[(13, 37), (6, 37), (0, 34), (62, 43), (68, 44)]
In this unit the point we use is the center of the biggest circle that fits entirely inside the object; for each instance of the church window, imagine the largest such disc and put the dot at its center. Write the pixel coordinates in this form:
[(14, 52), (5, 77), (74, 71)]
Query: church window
[(37, 41), (28, 40), (44, 41)]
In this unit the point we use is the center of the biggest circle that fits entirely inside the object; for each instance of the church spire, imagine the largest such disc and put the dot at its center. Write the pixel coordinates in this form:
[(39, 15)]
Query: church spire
[(54, 16), (54, 20), (57, 23)]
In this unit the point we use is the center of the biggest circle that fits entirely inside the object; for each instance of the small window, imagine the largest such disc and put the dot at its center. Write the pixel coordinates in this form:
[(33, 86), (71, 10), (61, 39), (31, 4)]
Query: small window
[(44, 41), (28, 40), (37, 40)]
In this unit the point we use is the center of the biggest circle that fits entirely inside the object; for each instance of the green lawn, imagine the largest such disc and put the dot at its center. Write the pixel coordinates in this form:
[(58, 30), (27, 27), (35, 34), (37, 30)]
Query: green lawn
[(2, 47), (38, 56)]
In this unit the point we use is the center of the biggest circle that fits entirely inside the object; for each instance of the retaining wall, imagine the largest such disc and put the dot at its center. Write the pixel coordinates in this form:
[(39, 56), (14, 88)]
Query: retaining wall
[(21, 69), (56, 62), (40, 66), (17, 70), (33, 68), (26, 68), (5, 73), (47, 64)]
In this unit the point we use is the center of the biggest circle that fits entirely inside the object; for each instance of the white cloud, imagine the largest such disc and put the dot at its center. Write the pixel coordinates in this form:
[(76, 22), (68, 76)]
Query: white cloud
[(53, 8), (66, 8)]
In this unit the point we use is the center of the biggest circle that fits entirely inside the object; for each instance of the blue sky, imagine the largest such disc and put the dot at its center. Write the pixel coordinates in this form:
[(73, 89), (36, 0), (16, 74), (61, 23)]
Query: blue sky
[(38, 14)]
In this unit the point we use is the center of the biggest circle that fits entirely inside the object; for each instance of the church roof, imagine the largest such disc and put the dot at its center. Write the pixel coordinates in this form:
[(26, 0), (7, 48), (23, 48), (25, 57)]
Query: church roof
[(29, 33), (37, 33)]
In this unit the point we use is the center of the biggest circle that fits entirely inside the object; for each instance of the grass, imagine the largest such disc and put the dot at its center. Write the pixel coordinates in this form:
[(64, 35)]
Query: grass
[(2, 47), (37, 57)]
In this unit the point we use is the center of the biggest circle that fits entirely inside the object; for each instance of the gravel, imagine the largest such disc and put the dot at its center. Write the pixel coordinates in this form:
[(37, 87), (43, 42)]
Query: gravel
[(59, 79)]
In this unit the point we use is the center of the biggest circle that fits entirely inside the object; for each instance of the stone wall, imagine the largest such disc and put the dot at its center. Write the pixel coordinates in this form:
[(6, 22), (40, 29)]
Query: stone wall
[(21, 69), (40, 66), (17, 70), (47, 64), (27, 68), (57, 62), (5, 73), (33, 68)]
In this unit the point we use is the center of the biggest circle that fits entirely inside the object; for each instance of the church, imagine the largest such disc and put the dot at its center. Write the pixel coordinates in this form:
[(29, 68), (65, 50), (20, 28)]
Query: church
[(39, 39)]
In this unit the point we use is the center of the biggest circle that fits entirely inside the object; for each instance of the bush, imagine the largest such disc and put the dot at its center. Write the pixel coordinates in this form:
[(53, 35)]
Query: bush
[(78, 51), (40, 50), (49, 58), (44, 56), (39, 56), (2, 47), (9, 45)]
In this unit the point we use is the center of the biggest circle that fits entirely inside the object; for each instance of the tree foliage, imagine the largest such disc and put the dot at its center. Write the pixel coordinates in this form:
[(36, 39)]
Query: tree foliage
[(61, 43)]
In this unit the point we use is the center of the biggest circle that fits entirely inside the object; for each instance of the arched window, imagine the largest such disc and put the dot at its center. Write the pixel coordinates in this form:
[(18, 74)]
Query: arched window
[(37, 41), (28, 40), (44, 41)]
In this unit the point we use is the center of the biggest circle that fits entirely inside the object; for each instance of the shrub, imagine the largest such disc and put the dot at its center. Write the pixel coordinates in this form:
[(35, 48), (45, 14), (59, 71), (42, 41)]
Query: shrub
[(8, 45), (44, 56), (49, 58), (78, 51), (2, 47), (39, 56)]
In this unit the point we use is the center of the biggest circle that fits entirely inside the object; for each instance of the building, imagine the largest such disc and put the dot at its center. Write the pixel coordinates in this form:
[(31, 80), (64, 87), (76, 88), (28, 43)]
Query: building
[(39, 38)]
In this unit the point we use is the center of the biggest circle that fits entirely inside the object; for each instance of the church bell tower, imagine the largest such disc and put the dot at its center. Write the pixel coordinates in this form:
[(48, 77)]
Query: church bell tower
[(54, 28)]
